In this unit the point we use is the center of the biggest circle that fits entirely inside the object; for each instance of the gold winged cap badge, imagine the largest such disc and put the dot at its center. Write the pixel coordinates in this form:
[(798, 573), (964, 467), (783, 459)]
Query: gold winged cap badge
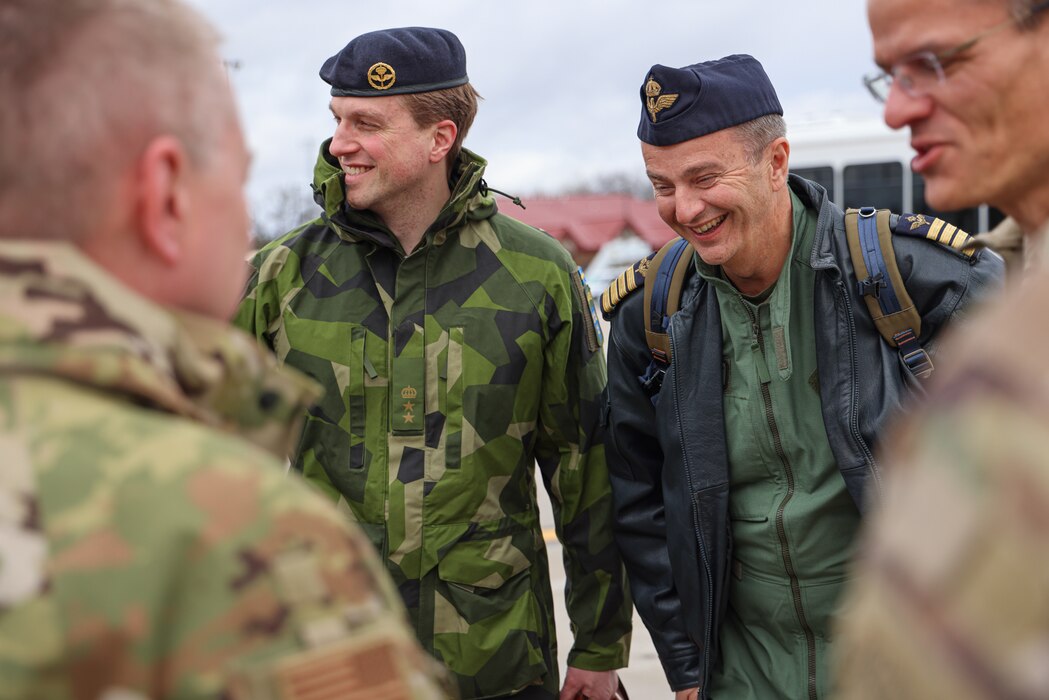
[(655, 102)]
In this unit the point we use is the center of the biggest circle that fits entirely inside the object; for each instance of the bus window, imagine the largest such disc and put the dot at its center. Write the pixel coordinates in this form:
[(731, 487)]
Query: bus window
[(874, 185), (821, 175)]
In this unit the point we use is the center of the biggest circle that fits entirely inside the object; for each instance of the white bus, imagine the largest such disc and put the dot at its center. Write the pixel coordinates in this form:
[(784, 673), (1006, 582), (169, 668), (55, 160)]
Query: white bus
[(862, 162)]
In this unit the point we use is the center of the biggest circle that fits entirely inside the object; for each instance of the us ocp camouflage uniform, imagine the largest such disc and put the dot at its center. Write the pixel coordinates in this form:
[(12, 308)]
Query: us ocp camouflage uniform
[(144, 550), (450, 372), (950, 595)]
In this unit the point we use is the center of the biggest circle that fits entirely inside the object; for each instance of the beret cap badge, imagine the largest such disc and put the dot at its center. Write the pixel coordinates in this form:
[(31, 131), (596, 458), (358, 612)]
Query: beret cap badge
[(382, 76), (427, 59), (656, 102)]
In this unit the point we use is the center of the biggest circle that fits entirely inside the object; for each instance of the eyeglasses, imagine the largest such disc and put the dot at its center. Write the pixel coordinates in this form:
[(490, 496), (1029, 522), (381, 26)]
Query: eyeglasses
[(918, 74)]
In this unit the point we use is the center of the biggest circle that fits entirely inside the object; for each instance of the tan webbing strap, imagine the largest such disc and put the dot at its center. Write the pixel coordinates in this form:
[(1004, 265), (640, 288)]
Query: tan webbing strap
[(908, 318), (658, 340)]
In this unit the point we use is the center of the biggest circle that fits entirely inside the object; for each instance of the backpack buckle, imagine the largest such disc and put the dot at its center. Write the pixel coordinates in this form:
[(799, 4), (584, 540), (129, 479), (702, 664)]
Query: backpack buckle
[(913, 354), (872, 286)]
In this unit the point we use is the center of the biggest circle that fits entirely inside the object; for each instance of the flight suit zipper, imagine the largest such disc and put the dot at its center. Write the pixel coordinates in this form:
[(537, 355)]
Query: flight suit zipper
[(781, 531)]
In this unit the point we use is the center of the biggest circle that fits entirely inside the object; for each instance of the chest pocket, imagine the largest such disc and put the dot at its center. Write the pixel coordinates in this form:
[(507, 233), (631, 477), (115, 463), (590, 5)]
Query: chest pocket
[(333, 438)]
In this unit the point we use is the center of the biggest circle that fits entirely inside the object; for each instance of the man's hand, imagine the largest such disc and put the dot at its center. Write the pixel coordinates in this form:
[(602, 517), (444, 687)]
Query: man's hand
[(592, 685), (687, 694)]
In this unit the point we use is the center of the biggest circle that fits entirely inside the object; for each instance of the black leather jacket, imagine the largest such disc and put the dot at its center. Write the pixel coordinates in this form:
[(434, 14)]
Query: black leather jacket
[(668, 461)]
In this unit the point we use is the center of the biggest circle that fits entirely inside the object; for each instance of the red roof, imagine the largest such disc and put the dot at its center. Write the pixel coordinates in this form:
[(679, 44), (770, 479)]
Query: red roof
[(590, 221)]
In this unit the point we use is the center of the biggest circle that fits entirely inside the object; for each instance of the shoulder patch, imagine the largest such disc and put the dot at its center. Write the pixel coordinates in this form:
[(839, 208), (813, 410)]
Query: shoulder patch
[(631, 279), (949, 235)]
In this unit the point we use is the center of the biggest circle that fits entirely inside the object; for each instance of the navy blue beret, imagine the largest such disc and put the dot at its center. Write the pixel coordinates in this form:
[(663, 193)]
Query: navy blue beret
[(678, 104), (396, 62)]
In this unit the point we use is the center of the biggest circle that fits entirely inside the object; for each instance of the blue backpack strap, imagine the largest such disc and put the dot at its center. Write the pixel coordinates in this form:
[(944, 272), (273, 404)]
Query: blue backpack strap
[(662, 300), (881, 286)]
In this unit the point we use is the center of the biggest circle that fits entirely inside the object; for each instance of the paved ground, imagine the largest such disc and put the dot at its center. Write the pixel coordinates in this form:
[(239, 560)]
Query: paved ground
[(643, 678)]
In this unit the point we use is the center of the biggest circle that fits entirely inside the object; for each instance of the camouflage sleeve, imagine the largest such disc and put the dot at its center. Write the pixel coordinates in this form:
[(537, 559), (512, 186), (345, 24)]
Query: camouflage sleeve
[(949, 594), (275, 279), (571, 458), (260, 310), (220, 580)]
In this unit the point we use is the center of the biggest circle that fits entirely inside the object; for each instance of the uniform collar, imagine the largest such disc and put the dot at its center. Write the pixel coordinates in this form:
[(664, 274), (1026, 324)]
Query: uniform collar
[(61, 315)]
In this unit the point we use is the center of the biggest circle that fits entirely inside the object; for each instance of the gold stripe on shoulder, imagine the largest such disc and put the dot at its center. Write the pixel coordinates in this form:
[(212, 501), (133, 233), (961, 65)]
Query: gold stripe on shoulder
[(629, 281)]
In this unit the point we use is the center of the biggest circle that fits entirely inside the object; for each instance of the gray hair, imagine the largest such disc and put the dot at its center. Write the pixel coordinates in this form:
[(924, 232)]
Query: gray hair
[(87, 84), (758, 133)]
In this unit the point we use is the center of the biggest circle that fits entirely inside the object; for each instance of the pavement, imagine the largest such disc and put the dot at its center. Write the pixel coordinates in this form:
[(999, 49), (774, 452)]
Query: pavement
[(643, 678)]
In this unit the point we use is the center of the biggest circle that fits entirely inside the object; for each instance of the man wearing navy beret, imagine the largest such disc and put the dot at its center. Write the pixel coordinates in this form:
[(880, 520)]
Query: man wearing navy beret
[(739, 481), (459, 348)]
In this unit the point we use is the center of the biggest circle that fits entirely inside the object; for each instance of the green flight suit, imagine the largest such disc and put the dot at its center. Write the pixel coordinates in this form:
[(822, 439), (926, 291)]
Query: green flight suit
[(450, 372), (792, 520)]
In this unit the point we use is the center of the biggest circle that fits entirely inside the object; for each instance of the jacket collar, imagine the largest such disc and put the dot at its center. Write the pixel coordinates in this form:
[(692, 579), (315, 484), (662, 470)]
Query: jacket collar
[(63, 316), (469, 200)]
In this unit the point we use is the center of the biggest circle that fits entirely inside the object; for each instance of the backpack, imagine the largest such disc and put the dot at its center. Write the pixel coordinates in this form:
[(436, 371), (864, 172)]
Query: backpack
[(869, 234)]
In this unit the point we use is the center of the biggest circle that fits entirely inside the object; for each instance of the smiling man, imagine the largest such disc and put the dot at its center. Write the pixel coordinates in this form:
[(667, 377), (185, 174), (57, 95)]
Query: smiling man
[(949, 599), (740, 483), (458, 348)]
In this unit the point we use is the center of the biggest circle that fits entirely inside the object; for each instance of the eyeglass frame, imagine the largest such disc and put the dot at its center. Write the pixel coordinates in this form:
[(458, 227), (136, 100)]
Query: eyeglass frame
[(939, 60)]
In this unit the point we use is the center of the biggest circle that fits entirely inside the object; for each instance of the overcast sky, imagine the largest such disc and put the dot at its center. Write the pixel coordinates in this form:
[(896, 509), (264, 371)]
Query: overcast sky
[(559, 78)]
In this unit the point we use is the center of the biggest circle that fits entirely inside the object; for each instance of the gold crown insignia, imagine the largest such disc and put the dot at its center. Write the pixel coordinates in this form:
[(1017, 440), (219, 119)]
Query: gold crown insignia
[(382, 76), (409, 392), (655, 102)]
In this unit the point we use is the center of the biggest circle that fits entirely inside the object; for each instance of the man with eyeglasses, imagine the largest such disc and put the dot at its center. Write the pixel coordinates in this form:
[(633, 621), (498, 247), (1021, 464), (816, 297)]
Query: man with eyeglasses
[(974, 92), (950, 588)]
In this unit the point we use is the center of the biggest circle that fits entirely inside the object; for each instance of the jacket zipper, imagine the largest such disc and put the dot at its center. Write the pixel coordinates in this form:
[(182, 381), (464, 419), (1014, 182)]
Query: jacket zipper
[(781, 531)]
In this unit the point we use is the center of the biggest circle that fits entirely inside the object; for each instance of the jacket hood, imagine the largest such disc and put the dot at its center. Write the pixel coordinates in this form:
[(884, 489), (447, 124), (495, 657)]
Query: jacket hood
[(63, 316), (469, 199)]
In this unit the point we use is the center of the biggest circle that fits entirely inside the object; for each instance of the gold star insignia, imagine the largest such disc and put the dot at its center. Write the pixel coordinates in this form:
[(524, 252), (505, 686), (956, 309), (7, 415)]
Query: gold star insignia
[(409, 407)]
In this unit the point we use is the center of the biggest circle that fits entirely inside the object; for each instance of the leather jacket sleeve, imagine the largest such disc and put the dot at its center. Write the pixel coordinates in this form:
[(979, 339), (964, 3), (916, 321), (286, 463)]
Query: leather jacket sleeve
[(635, 462)]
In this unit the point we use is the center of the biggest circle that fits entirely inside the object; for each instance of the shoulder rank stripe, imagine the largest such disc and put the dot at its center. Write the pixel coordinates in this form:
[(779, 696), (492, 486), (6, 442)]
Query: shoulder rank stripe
[(922, 226), (631, 279)]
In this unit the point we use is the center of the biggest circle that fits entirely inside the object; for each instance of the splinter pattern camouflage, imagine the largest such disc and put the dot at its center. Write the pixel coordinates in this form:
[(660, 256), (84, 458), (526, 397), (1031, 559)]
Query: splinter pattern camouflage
[(144, 550), (450, 373), (949, 597)]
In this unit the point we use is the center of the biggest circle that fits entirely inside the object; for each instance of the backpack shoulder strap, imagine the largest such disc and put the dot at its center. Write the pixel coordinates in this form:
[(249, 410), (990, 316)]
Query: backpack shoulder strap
[(869, 235), (663, 295)]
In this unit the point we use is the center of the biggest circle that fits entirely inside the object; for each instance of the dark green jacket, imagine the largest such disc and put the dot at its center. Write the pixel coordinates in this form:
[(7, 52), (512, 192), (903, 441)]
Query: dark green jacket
[(450, 372)]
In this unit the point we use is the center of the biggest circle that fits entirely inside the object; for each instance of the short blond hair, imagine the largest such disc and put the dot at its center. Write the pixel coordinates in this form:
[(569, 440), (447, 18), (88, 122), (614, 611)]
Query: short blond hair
[(87, 84), (459, 104)]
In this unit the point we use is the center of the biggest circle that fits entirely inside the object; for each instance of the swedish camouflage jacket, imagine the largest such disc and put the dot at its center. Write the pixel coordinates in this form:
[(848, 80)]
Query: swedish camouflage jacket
[(450, 373), (147, 547)]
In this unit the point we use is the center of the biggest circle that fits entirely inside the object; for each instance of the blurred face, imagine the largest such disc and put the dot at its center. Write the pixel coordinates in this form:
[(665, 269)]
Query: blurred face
[(982, 134), (220, 229), (384, 154), (710, 194)]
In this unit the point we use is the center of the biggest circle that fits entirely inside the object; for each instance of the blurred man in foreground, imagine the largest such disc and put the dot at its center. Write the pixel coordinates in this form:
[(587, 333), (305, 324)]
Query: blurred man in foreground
[(950, 588), (147, 547)]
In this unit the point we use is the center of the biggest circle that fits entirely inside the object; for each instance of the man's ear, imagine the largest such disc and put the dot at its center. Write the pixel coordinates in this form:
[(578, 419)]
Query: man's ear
[(444, 133), (162, 198), (779, 158)]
